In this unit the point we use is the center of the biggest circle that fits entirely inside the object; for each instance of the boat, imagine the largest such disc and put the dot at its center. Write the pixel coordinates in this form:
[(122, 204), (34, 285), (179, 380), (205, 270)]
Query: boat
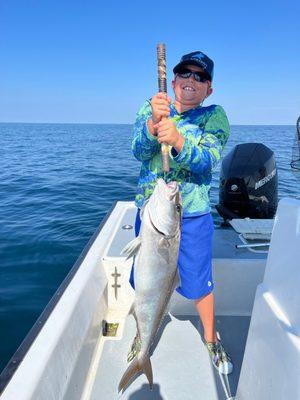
[(78, 347)]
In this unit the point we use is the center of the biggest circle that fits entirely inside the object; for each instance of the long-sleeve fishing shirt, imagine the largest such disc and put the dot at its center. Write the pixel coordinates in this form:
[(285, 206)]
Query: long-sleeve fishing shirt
[(206, 131)]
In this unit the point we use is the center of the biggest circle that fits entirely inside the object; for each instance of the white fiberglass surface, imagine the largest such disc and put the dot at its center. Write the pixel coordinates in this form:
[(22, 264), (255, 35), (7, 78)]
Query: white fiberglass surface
[(180, 362)]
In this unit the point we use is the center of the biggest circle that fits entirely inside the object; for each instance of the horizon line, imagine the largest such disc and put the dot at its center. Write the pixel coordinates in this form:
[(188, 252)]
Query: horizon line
[(121, 123)]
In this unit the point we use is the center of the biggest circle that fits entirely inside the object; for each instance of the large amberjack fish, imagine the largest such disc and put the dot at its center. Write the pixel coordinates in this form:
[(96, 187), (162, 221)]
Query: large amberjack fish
[(155, 271)]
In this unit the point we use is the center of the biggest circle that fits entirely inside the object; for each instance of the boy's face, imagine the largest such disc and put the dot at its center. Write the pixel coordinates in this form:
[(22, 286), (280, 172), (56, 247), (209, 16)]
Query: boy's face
[(188, 91)]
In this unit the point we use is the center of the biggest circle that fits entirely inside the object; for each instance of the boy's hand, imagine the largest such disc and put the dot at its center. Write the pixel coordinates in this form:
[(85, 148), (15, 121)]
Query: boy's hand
[(160, 104), (167, 133)]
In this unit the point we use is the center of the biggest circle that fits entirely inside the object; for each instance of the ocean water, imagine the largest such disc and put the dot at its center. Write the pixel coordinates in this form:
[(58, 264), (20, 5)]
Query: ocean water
[(57, 183)]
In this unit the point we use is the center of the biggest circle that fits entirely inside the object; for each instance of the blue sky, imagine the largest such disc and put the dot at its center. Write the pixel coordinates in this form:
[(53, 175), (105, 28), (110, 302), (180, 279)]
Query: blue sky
[(94, 61)]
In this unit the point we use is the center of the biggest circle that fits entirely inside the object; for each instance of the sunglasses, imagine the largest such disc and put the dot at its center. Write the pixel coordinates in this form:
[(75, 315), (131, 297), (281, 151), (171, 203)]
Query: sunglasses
[(197, 75)]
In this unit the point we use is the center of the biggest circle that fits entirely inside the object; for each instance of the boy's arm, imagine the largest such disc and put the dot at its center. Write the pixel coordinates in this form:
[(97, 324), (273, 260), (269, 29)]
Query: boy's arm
[(202, 155), (144, 145)]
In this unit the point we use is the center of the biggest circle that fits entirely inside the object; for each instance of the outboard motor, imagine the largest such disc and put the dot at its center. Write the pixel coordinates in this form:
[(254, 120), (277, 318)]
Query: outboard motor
[(248, 183)]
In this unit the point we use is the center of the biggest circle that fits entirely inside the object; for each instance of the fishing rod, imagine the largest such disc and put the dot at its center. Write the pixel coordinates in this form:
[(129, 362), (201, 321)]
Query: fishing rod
[(162, 87)]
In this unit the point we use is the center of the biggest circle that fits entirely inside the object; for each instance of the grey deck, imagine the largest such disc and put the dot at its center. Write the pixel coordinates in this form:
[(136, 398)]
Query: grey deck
[(180, 362), (224, 241)]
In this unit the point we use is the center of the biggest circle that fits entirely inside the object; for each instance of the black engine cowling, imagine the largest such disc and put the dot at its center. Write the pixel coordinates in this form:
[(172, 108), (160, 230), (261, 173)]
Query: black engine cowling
[(248, 183)]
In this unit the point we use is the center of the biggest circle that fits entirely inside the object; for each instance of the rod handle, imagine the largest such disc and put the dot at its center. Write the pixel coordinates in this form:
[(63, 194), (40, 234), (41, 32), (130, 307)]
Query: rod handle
[(162, 87)]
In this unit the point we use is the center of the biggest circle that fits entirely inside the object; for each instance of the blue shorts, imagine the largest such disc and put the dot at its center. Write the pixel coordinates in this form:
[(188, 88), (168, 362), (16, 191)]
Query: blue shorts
[(195, 256)]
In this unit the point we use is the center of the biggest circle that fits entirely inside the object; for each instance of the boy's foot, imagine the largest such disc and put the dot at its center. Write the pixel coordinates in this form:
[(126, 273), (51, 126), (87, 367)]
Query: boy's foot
[(135, 348), (220, 359)]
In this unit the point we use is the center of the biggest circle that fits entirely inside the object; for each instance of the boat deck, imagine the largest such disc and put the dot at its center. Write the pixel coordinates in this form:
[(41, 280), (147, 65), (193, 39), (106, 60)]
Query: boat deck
[(180, 362), (67, 337), (224, 240), (181, 365)]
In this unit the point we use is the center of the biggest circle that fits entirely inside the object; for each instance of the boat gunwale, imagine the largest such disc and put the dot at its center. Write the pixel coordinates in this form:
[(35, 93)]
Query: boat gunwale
[(15, 361)]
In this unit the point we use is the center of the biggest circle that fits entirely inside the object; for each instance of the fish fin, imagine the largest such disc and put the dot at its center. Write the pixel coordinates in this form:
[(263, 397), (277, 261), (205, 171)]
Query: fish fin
[(147, 368), (131, 311), (132, 247), (135, 348), (137, 365), (133, 369), (142, 209), (177, 281)]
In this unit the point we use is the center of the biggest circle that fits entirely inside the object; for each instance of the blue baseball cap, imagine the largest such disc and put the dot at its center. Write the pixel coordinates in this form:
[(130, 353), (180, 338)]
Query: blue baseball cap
[(200, 60)]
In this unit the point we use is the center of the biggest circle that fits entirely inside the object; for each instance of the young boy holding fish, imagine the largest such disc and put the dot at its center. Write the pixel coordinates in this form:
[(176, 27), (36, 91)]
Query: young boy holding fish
[(197, 136)]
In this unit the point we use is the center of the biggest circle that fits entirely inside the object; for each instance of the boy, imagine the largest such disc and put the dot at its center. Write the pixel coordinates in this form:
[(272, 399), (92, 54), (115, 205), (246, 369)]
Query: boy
[(197, 136)]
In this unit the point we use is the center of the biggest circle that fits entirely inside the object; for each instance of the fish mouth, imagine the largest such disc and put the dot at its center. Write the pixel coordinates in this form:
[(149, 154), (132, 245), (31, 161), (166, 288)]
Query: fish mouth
[(170, 188), (173, 189), (172, 185)]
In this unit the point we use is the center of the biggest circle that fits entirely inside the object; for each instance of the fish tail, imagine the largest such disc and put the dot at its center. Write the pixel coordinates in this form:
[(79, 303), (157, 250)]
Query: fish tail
[(147, 368), (137, 365)]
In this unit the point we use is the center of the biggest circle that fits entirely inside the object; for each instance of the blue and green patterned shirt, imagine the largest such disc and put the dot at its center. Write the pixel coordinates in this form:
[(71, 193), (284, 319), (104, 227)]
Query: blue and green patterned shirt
[(206, 131)]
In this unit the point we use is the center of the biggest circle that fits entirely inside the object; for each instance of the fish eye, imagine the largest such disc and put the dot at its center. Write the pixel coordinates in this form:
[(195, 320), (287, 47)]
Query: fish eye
[(178, 207)]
